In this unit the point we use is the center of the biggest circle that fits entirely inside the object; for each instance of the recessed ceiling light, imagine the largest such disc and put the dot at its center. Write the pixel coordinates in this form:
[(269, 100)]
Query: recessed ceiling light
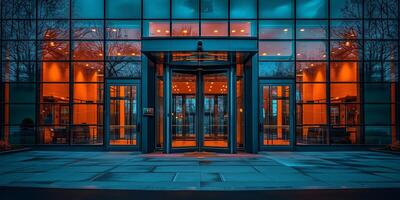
[(302, 29)]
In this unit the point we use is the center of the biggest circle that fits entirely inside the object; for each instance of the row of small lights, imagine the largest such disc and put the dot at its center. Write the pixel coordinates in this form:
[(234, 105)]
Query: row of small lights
[(186, 31), (347, 44), (100, 54)]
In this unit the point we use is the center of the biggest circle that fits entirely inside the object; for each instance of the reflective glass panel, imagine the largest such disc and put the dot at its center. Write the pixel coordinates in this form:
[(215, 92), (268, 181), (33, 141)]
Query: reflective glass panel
[(87, 9), (275, 9), (123, 9), (185, 9), (311, 29), (312, 8), (273, 29), (214, 9), (156, 9), (123, 29), (243, 9)]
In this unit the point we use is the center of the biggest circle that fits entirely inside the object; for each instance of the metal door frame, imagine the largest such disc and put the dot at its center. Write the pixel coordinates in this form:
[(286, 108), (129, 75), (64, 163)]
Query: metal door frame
[(292, 108), (199, 72), (122, 82)]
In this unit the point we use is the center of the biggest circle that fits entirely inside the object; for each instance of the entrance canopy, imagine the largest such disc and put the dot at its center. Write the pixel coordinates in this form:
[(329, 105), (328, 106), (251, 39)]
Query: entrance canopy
[(199, 52)]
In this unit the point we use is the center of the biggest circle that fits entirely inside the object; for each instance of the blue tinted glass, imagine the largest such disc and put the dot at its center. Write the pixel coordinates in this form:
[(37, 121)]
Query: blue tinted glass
[(123, 9), (185, 9), (276, 8), (156, 9), (58, 9), (214, 9), (381, 9), (243, 9), (312, 8), (378, 134), (311, 29), (276, 69), (88, 9), (275, 29), (346, 9)]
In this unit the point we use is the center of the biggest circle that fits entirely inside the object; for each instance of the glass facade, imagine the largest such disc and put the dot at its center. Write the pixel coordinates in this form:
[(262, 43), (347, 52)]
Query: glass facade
[(338, 60)]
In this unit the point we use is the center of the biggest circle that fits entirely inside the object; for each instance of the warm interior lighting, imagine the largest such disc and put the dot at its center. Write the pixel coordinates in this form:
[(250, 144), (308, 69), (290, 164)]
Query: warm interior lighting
[(298, 54), (242, 30), (264, 54), (114, 30), (233, 31), (215, 31), (133, 54), (52, 44), (118, 54), (158, 31), (166, 31), (93, 30), (278, 54), (185, 31), (347, 44), (100, 54), (324, 56)]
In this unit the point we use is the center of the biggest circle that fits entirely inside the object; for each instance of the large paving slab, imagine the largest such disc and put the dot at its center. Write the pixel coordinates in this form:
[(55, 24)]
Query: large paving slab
[(264, 171)]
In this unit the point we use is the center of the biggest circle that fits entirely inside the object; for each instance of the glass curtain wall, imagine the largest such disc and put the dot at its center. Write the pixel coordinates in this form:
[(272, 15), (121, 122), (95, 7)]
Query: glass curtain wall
[(343, 56), (55, 59), (57, 54)]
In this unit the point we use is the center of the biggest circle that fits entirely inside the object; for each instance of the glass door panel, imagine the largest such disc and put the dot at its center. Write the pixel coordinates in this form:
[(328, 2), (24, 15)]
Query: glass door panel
[(215, 110), (124, 124), (275, 115), (184, 109)]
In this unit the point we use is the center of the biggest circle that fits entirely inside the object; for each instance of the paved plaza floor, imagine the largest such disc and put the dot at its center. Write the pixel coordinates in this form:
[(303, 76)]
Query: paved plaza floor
[(198, 171)]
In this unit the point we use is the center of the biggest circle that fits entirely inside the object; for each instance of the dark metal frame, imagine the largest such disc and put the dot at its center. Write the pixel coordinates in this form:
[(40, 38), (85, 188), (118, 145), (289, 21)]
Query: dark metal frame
[(199, 71), (292, 111), (139, 137)]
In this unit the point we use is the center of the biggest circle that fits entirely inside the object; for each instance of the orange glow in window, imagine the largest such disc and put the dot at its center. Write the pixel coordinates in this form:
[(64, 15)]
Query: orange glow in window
[(214, 29), (158, 29), (241, 29)]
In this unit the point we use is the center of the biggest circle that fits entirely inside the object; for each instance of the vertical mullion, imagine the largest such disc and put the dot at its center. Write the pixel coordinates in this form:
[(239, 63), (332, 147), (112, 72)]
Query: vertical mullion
[(293, 99), (229, 18), (2, 84), (71, 76), (36, 81), (199, 19), (327, 72), (362, 79), (105, 75)]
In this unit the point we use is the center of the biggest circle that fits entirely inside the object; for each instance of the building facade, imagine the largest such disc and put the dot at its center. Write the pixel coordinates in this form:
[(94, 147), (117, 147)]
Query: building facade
[(200, 75)]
